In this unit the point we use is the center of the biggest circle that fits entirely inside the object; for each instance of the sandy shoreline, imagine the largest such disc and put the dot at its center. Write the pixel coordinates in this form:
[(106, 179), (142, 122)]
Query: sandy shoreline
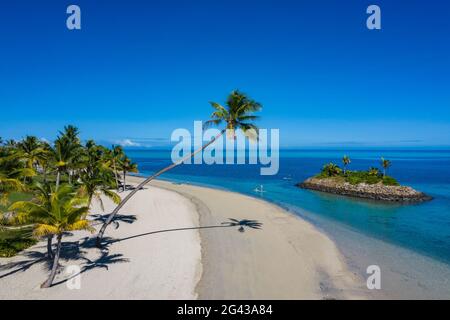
[(142, 265), (287, 259)]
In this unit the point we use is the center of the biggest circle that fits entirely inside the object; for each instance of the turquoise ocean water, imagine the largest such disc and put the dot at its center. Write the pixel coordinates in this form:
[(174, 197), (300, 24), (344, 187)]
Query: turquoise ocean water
[(410, 243)]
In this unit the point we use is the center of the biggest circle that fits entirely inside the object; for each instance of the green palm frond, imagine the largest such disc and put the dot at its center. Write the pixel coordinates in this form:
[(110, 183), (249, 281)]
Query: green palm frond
[(42, 230), (238, 115), (112, 195), (80, 225)]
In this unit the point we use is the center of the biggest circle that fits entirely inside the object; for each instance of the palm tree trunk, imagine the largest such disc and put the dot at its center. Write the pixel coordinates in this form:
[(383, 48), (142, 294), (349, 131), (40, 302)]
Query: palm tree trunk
[(143, 183), (58, 177), (124, 180), (49, 281), (49, 247), (115, 174), (89, 201)]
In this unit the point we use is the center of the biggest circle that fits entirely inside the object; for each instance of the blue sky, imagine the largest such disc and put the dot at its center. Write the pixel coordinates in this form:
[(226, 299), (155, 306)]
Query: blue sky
[(139, 69)]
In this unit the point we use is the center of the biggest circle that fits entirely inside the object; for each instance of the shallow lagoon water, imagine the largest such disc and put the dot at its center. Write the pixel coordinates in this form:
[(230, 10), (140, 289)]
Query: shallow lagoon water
[(410, 243)]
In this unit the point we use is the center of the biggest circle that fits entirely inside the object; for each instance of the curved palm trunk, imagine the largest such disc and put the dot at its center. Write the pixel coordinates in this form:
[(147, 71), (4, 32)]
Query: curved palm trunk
[(49, 281), (49, 247), (143, 183)]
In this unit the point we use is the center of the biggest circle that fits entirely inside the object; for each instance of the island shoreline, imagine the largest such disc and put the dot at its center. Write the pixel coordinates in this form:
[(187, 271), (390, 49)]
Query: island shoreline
[(375, 192)]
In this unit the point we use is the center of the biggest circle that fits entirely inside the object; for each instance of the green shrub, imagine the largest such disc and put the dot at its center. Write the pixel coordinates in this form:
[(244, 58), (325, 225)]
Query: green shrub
[(389, 181), (372, 176), (354, 179), (10, 247), (331, 170), (374, 171)]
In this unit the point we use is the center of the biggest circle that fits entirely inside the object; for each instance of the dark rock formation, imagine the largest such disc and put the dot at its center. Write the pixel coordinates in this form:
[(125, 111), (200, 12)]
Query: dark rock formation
[(368, 191)]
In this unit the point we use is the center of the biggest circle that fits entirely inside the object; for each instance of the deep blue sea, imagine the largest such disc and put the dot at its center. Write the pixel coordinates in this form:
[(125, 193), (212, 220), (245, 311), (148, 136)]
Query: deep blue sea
[(408, 240)]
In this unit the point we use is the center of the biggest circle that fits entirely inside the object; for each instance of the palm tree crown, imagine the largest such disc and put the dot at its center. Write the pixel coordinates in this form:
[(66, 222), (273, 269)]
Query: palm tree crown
[(238, 114), (346, 161), (385, 164)]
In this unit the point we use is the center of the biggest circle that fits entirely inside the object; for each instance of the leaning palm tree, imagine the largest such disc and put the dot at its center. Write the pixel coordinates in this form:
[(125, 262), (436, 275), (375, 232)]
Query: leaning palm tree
[(346, 161), (67, 212), (385, 164), (237, 114)]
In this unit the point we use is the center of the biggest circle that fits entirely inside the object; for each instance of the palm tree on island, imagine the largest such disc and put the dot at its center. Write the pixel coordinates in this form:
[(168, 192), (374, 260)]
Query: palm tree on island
[(385, 164), (346, 161), (237, 114)]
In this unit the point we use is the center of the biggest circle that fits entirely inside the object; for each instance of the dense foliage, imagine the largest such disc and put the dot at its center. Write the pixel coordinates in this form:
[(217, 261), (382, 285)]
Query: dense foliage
[(33, 169), (371, 176)]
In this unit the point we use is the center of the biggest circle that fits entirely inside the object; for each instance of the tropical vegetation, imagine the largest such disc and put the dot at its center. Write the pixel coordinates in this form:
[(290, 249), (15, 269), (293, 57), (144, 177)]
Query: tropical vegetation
[(47, 189), (371, 176)]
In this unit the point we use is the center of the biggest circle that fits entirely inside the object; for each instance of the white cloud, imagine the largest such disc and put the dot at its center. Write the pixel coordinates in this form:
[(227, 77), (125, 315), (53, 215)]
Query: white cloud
[(127, 143)]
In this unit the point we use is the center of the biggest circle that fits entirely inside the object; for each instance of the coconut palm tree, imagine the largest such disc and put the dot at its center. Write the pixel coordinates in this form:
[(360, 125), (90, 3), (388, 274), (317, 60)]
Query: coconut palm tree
[(127, 166), (94, 186), (96, 177), (65, 211), (30, 149), (385, 164), (45, 161), (237, 114), (346, 161), (11, 174), (11, 143), (66, 152), (71, 134), (115, 155)]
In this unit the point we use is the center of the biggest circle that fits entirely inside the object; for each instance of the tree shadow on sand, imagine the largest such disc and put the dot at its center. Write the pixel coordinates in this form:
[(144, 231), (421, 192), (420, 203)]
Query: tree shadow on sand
[(107, 259), (70, 251), (101, 262), (77, 250), (31, 258), (99, 219), (241, 224)]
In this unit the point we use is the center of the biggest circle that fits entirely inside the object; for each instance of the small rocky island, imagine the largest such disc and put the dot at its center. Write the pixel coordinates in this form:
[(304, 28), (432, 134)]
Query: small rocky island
[(371, 184)]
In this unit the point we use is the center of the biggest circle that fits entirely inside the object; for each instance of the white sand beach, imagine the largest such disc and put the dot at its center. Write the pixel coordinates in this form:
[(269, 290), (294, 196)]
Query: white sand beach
[(287, 258)]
